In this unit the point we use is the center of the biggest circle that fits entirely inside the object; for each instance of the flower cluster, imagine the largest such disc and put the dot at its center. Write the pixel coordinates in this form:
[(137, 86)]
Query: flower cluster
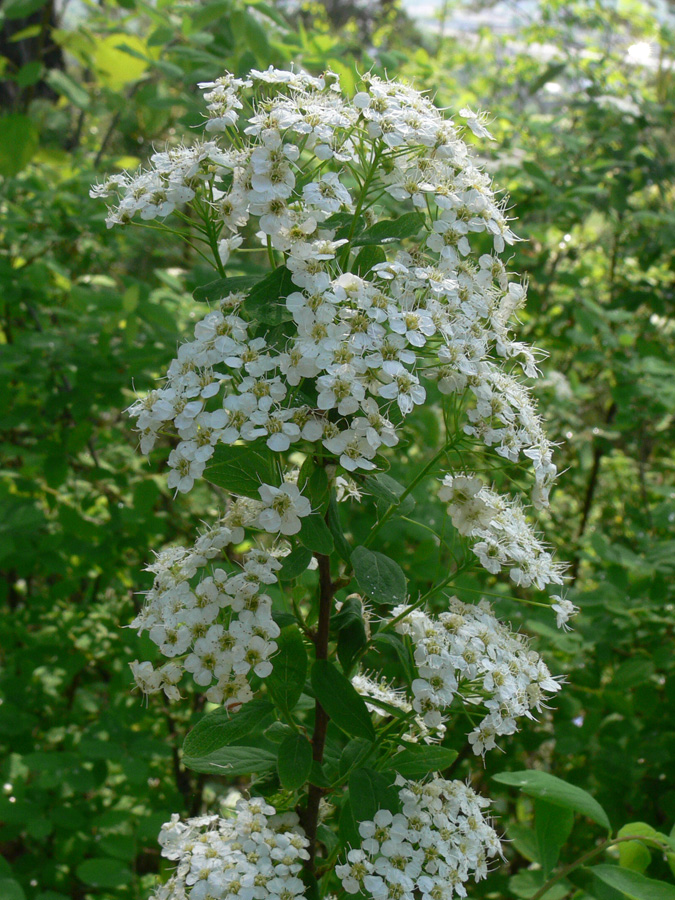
[(221, 628), (467, 651), (506, 538), (428, 850), (255, 855), (175, 176), (368, 332), (379, 696)]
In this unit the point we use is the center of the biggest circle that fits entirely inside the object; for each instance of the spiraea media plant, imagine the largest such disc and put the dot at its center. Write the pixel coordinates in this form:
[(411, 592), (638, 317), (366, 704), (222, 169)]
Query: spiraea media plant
[(374, 239)]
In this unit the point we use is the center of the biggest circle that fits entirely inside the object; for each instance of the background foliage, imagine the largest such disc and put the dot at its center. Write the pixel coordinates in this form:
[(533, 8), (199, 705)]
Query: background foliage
[(582, 105)]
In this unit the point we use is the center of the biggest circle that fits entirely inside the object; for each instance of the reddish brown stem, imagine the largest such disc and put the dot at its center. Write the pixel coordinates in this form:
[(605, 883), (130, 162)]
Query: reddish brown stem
[(311, 814)]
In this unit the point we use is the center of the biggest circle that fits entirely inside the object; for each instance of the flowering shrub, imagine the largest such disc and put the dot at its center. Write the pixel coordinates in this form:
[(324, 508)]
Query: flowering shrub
[(385, 289)]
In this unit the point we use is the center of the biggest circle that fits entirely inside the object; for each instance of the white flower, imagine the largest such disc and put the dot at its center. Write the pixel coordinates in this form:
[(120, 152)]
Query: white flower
[(402, 386), (283, 508), (275, 425), (564, 609), (354, 450), (227, 245), (340, 389), (253, 655), (146, 677), (185, 468), (328, 194), (475, 121)]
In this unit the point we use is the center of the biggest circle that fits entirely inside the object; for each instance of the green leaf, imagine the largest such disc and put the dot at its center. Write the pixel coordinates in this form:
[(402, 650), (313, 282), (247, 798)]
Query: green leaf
[(355, 753), (389, 490), (287, 679), (526, 883), (19, 9), (417, 760), (232, 761), (219, 728), (241, 469), (370, 791), (524, 841), (633, 884), (19, 141), (341, 701), (401, 650), (351, 631), (317, 490), (367, 258), (23, 35), (348, 826), (294, 761), (29, 74), (634, 854), (327, 837), (556, 791), (315, 535), (552, 827), (221, 287), (351, 642), (335, 527), (378, 576), (343, 222), (256, 36), (317, 776), (293, 565), (11, 890), (263, 302), (103, 873), (62, 84), (277, 732), (389, 230), (351, 613), (632, 673), (121, 846)]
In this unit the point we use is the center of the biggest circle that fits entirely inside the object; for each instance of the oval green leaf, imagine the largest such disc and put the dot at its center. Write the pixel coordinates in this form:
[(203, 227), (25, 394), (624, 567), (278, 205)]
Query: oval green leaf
[(417, 761), (552, 827), (556, 791), (220, 728), (389, 230), (103, 873), (633, 884), (241, 469), (294, 762), (232, 761), (315, 535), (378, 576), (221, 287), (341, 701), (295, 563), (264, 301), (19, 141), (11, 890), (369, 791), (287, 679)]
